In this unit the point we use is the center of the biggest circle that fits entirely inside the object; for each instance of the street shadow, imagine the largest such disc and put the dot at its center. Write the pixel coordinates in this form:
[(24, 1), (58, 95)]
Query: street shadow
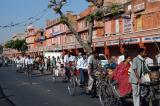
[(40, 75)]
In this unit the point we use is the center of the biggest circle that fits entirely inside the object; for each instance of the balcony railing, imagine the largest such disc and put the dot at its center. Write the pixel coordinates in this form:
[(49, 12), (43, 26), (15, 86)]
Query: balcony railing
[(41, 39), (147, 32)]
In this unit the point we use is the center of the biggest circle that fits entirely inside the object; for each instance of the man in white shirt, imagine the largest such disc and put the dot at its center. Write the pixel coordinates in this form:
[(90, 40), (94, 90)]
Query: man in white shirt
[(22, 62), (66, 65), (29, 64), (148, 61), (18, 63), (26, 61), (158, 58), (30, 61), (82, 67)]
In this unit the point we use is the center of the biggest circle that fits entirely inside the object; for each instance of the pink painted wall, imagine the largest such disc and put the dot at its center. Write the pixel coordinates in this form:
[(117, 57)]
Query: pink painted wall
[(108, 29)]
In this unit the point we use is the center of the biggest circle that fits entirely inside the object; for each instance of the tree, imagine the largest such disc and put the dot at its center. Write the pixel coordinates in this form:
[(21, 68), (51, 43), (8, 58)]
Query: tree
[(17, 44), (9, 44), (97, 15)]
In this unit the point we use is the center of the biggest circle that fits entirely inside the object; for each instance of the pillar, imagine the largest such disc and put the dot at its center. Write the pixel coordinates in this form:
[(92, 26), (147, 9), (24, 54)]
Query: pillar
[(77, 52), (122, 49), (106, 51), (141, 45)]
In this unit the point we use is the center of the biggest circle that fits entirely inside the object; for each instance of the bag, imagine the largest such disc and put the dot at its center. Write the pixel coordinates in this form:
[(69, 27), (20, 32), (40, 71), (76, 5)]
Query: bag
[(147, 78)]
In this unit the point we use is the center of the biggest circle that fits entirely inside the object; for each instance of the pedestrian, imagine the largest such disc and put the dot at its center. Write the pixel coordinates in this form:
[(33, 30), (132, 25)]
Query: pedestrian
[(59, 63), (149, 61), (26, 63), (18, 64), (121, 77), (82, 66), (53, 65), (66, 64), (23, 62), (158, 59), (41, 64), (137, 76), (48, 63), (29, 65), (72, 61), (72, 58), (93, 64)]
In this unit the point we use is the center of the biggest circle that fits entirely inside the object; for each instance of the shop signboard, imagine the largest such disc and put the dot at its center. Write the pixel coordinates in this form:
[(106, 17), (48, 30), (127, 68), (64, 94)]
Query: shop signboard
[(123, 41), (151, 39), (131, 40), (139, 7), (112, 42), (127, 26), (99, 44)]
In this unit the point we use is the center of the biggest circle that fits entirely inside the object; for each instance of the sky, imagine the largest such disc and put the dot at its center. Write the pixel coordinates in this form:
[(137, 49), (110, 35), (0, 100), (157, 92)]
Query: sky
[(17, 11)]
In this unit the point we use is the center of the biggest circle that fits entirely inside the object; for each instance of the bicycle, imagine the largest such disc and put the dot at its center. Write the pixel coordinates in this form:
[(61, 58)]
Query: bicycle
[(109, 95), (55, 73), (74, 80), (74, 83)]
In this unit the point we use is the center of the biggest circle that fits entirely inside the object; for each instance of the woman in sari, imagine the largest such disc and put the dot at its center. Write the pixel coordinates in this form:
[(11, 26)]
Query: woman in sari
[(121, 76)]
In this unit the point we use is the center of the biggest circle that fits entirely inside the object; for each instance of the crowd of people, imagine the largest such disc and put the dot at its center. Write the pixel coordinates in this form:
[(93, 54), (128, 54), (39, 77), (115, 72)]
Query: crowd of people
[(126, 70), (41, 63)]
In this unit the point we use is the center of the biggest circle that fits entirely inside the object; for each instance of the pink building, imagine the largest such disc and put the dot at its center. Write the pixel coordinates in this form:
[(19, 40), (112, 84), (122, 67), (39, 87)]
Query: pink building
[(56, 34), (35, 40)]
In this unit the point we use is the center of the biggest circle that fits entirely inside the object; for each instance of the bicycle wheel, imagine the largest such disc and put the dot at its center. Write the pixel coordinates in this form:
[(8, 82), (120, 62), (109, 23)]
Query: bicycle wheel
[(72, 86), (105, 94)]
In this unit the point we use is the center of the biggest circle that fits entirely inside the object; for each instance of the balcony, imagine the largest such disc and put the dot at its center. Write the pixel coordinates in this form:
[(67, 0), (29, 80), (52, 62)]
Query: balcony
[(40, 39)]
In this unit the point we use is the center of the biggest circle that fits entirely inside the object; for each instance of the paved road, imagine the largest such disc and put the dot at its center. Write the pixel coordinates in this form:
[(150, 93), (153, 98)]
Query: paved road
[(42, 91)]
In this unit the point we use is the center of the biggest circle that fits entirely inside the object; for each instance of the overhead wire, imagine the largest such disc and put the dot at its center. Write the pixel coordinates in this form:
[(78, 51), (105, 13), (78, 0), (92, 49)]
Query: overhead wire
[(27, 21)]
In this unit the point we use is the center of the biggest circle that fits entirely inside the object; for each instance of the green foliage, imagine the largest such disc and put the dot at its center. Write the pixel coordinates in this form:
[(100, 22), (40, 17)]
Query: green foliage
[(9, 44), (98, 16), (90, 18), (19, 45), (56, 5), (115, 9)]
